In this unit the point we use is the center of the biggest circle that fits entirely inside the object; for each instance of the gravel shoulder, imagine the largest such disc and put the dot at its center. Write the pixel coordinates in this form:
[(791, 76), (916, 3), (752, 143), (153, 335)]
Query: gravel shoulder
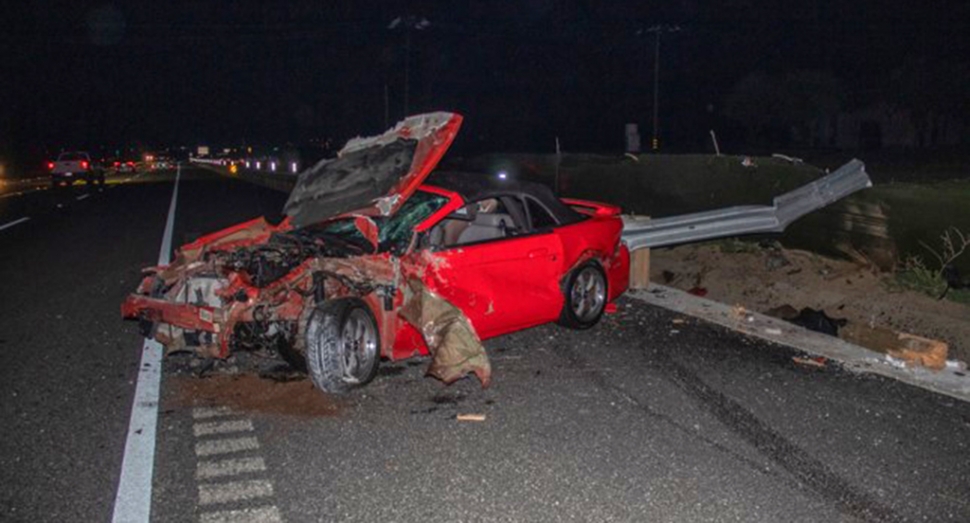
[(765, 278)]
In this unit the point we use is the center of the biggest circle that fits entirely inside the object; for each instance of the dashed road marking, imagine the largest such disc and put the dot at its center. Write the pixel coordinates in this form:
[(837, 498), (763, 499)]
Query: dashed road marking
[(269, 514), (213, 493), (225, 446), (15, 222), (210, 412), (229, 467), (82, 197), (222, 427), (21, 193)]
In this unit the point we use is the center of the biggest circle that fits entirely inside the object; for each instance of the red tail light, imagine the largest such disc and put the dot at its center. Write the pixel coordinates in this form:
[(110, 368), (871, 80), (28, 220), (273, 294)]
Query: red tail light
[(84, 165), (50, 165), (117, 164)]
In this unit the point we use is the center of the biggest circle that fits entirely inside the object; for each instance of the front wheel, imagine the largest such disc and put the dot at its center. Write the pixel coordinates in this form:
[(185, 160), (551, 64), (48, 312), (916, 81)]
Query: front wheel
[(342, 344), (585, 297)]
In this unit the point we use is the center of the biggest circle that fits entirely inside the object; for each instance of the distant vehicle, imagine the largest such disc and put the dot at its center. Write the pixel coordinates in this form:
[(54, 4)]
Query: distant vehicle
[(162, 163), (72, 166), (123, 166)]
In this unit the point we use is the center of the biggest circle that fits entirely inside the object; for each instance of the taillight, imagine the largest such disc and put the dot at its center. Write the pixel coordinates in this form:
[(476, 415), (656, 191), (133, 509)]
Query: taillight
[(50, 165), (117, 164), (84, 164)]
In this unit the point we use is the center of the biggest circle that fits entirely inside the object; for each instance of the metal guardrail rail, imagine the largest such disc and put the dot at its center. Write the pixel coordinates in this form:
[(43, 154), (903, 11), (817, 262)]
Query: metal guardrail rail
[(639, 233)]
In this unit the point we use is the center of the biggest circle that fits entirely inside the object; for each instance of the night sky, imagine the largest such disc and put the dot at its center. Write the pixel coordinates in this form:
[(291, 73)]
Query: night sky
[(81, 74)]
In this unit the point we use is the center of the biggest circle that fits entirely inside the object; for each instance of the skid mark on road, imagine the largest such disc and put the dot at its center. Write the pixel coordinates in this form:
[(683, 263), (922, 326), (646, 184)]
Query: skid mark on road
[(810, 470), (228, 470), (807, 470)]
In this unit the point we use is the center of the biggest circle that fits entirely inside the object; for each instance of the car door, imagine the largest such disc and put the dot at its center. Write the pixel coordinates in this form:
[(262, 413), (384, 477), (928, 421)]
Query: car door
[(502, 282)]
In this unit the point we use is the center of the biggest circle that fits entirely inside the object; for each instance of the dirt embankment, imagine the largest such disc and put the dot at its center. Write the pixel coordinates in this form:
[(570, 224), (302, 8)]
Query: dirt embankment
[(762, 279)]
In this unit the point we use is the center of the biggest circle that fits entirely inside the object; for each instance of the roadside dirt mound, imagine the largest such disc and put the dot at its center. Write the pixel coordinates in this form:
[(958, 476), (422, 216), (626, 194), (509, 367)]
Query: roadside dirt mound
[(762, 278)]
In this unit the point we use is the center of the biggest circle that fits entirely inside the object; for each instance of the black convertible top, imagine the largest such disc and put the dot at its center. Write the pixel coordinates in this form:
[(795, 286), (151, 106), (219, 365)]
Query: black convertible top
[(473, 187)]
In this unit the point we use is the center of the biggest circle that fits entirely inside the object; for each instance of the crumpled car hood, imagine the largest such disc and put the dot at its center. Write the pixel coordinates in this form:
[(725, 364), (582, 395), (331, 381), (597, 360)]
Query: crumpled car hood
[(373, 176)]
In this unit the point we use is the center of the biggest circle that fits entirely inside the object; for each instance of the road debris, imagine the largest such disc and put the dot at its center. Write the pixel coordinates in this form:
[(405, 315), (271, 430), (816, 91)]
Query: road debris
[(470, 417), (809, 318), (956, 365), (910, 349), (742, 314), (816, 362)]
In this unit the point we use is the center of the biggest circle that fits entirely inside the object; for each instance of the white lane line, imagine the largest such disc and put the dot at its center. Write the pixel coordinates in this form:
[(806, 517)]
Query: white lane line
[(229, 467), (21, 193), (211, 412), (165, 252), (133, 502), (222, 427), (225, 446), (269, 514), (15, 222), (212, 493), (82, 197)]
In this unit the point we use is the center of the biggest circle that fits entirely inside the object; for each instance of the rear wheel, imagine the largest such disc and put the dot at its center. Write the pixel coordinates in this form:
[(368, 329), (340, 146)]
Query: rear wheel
[(585, 297), (342, 344)]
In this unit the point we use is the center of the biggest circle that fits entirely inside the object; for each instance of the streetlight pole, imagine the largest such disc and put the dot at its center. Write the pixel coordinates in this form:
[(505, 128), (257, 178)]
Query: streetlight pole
[(656, 30), (408, 23)]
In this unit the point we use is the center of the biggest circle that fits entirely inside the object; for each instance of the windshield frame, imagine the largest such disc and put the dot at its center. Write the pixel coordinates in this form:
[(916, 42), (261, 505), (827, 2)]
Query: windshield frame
[(409, 219)]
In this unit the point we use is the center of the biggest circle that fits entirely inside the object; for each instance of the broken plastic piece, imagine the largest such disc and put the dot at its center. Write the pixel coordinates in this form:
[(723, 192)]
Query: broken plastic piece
[(817, 362)]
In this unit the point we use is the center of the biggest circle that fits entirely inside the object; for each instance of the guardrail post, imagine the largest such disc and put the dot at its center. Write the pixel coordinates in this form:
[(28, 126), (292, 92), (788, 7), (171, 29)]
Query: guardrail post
[(640, 267)]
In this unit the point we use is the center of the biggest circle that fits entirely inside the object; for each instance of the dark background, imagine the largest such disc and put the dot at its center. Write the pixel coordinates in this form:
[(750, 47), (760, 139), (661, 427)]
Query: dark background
[(90, 74)]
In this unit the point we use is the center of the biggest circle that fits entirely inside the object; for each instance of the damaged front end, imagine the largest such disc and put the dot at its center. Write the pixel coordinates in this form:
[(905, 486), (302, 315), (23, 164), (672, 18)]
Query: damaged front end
[(245, 287)]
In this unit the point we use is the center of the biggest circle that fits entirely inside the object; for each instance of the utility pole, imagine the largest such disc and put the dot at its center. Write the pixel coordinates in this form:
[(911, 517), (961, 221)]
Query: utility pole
[(657, 30), (408, 23), (387, 106)]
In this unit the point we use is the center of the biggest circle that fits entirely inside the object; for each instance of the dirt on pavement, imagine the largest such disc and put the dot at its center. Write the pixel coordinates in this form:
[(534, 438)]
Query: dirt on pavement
[(762, 277)]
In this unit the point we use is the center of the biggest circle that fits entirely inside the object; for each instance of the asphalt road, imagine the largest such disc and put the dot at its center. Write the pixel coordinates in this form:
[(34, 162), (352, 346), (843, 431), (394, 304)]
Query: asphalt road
[(642, 418)]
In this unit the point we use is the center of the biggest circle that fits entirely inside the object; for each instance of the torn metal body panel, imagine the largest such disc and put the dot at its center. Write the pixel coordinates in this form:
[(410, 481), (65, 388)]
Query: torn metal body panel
[(373, 176), (396, 267), (751, 219)]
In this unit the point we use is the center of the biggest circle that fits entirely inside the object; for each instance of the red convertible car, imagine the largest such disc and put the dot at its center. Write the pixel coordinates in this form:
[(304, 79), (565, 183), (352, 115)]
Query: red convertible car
[(380, 258)]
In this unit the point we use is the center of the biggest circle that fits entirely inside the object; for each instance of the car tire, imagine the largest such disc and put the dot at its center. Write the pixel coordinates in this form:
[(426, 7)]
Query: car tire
[(585, 295), (342, 344)]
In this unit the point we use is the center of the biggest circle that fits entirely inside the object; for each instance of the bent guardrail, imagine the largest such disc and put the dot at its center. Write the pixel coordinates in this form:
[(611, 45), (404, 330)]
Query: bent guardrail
[(639, 233)]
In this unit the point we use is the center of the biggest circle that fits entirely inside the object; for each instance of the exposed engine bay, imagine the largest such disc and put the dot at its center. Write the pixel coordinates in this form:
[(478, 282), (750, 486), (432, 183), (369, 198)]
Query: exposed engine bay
[(246, 287)]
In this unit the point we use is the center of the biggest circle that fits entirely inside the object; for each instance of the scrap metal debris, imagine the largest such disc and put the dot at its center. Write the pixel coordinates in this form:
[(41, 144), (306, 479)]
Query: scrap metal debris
[(455, 347)]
